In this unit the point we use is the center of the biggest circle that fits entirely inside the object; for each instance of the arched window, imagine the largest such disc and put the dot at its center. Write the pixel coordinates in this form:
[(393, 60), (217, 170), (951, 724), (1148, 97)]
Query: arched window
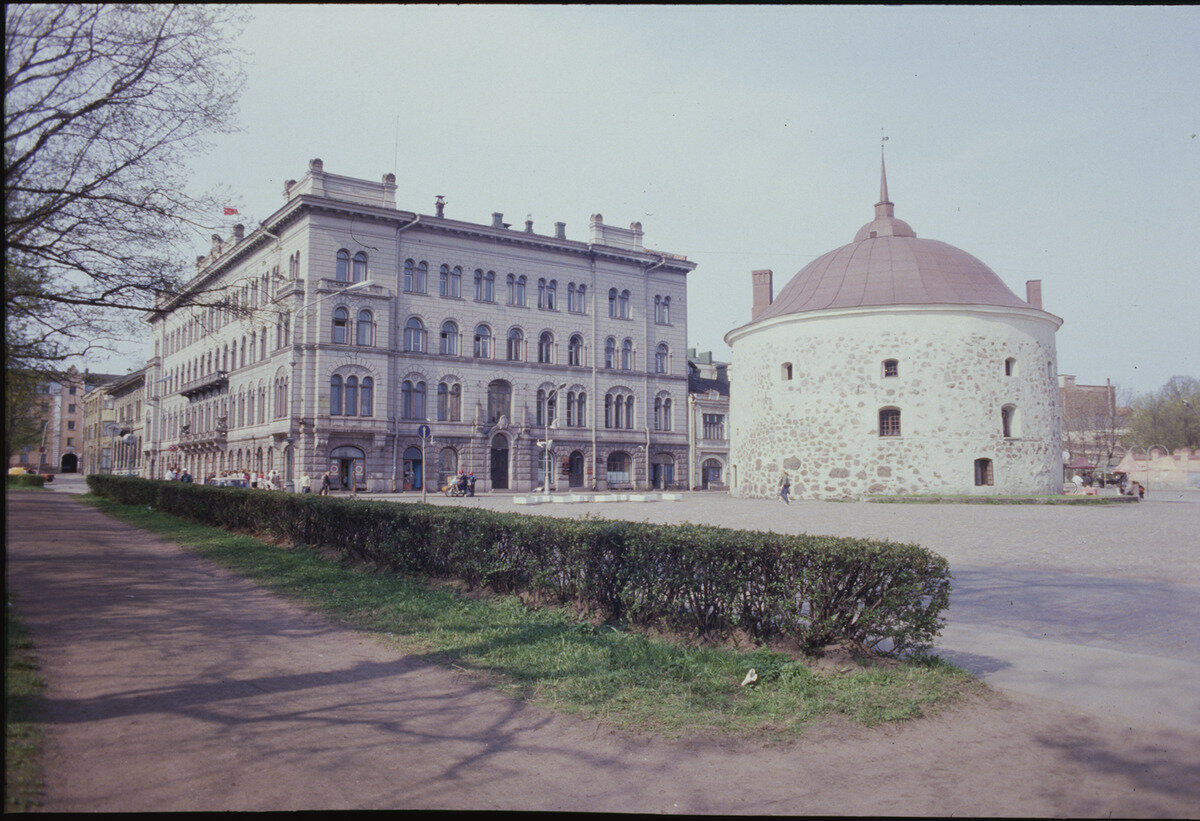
[(666, 310), (422, 276), (1010, 366), (449, 402), (489, 287), (610, 353), (552, 295), (419, 400), (406, 399), (627, 354), (478, 285), (410, 273), (351, 404), (545, 347), (889, 422), (444, 281), (360, 267), (456, 282), (660, 358), (499, 400), (667, 414), (618, 468), (542, 293), (785, 371), (341, 329), (449, 339), (511, 282), (541, 408), (343, 269), (516, 345), (581, 410), (575, 350), (483, 342), (1008, 421), (414, 335), (367, 396), (658, 411), (658, 309), (623, 305), (281, 397), (629, 412), (571, 409), (366, 328), (571, 296), (521, 280), (891, 367), (612, 301)]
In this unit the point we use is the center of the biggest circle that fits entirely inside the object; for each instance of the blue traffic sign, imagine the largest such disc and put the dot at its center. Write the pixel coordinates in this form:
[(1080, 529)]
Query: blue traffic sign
[(424, 432)]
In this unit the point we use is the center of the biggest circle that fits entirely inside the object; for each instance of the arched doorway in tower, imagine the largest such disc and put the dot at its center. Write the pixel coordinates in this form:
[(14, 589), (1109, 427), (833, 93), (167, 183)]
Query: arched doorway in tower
[(499, 462), (351, 464), (70, 463), (575, 469), (710, 473)]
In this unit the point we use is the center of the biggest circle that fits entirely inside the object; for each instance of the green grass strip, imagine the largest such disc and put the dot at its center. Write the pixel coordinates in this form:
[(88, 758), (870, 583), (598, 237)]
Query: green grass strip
[(548, 656), (23, 736)]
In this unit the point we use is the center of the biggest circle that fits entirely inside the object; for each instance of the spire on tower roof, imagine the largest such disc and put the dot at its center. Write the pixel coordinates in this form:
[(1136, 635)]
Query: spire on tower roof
[(883, 194)]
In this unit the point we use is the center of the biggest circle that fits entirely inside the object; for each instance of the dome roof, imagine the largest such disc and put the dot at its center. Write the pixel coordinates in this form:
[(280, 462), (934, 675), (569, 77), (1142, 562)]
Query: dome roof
[(887, 264)]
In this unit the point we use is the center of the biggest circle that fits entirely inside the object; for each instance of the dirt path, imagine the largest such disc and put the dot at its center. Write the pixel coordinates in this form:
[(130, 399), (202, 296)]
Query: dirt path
[(176, 685)]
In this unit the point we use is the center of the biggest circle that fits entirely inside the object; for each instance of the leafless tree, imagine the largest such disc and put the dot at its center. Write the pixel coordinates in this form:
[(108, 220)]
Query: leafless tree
[(1093, 422), (104, 107)]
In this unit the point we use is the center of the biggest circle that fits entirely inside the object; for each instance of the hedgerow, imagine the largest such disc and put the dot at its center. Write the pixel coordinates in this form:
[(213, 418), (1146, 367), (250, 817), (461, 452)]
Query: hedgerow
[(815, 590)]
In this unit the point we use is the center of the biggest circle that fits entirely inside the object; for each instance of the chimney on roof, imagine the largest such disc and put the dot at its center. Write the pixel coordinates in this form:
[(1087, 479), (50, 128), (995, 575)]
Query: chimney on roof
[(560, 230), (497, 219), (1033, 292), (528, 223), (239, 232), (764, 291)]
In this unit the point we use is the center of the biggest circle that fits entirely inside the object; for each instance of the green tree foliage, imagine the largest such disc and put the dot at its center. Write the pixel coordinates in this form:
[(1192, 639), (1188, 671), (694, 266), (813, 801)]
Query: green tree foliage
[(1169, 417), (104, 105)]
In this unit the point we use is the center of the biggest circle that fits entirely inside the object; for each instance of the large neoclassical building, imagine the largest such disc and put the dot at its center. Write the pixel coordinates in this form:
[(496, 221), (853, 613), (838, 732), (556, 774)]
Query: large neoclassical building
[(895, 365), (327, 337)]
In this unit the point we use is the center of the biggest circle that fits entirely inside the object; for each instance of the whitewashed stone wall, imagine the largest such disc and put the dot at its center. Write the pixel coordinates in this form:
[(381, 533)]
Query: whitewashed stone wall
[(822, 426)]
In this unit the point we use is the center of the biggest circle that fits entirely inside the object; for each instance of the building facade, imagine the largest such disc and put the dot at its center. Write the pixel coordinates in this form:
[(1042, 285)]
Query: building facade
[(1094, 425), (330, 337), (127, 431), (59, 411), (708, 421), (895, 365)]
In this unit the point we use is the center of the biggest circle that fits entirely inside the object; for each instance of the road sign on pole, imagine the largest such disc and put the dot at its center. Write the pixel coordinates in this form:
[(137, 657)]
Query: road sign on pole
[(424, 432)]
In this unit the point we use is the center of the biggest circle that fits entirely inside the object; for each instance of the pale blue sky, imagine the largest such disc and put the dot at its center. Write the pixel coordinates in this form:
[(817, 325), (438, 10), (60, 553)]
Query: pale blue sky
[(1054, 143)]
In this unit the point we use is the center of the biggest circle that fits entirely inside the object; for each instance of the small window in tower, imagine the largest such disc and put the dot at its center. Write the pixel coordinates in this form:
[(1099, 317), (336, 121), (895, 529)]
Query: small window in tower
[(1010, 367), (983, 472), (787, 371), (889, 422), (891, 367), (1008, 421)]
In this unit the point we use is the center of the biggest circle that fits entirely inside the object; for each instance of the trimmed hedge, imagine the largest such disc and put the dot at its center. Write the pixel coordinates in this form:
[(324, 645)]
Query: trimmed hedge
[(25, 480), (817, 590)]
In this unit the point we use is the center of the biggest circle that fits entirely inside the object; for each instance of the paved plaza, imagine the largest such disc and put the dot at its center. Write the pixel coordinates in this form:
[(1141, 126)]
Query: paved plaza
[(1094, 606), (174, 684)]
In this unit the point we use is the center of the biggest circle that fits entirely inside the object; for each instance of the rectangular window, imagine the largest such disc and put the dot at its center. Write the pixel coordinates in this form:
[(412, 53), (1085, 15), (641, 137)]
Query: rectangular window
[(714, 426)]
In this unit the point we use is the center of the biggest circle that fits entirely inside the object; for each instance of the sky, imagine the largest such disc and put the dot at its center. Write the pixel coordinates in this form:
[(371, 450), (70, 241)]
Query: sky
[(1055, 143)]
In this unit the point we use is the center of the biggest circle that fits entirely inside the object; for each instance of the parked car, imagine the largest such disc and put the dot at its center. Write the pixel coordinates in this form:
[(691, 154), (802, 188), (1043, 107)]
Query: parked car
[(229, 481)]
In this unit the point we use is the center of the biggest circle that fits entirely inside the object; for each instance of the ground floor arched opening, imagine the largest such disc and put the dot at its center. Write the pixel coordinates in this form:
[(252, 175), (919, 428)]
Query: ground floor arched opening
[(349, 467), (69, 463), (498, 473)]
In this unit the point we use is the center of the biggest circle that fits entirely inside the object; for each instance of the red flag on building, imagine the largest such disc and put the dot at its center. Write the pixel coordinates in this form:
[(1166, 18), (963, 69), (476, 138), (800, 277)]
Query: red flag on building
[(229, 212)]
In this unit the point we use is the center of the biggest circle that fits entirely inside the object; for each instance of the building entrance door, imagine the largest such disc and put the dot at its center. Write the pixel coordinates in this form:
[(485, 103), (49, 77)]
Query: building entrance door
[(413, 468), (351, 464), (499, 471), (575, 469)]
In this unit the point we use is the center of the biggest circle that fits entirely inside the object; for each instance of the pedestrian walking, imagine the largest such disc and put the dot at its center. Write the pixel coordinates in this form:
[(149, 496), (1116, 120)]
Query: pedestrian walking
[(471, 484), (306, 483), (325, 483), (785, 488)]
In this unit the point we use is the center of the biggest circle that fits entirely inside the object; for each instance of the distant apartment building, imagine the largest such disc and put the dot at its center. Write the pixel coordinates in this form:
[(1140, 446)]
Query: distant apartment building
[(58, 408), (1093, 425), (708, 422)]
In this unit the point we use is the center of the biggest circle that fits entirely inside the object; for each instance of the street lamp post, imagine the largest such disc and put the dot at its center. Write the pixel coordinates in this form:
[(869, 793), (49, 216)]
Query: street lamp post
[(548, 442)]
